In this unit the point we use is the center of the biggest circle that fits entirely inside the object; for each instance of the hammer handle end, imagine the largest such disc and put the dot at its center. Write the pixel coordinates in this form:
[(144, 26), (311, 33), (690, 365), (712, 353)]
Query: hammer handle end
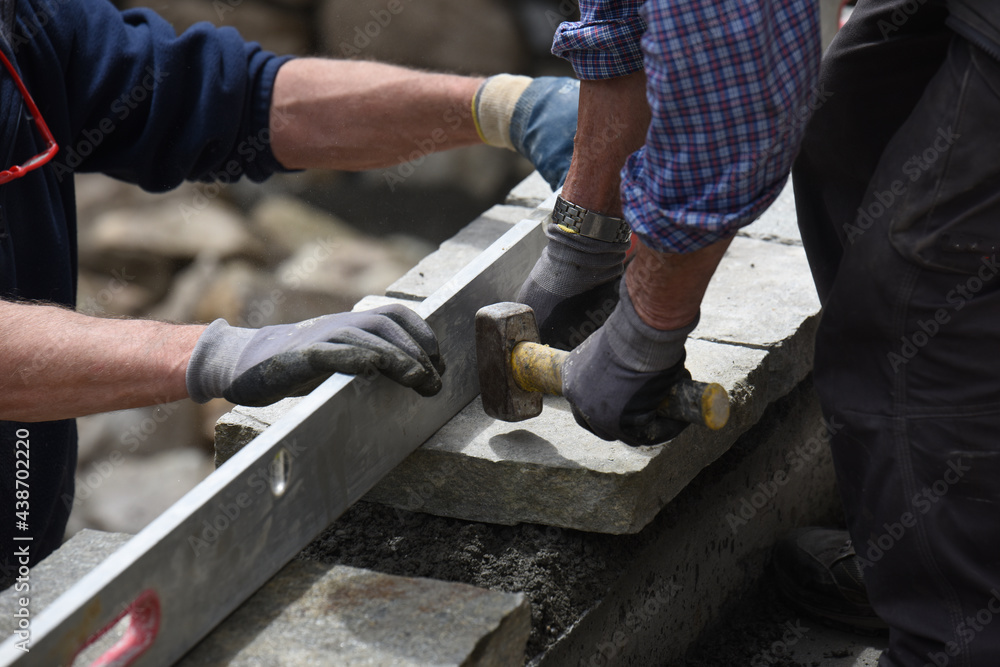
[(705, 403)]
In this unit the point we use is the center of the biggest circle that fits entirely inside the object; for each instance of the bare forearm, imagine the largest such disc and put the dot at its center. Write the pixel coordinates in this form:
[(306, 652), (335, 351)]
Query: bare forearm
[(614, 117), (667, 288), (349, 115), (55, 363)]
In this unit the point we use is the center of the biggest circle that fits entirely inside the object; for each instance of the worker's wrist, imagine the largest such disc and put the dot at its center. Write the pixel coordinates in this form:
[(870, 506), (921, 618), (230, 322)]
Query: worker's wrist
[(612, 124), (644, 348), (214, 359), (667, 288)]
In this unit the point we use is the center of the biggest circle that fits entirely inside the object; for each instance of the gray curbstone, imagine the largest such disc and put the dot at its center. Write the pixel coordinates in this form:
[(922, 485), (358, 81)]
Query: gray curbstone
[(762, 295), (530, 192), (437, 268), (313, 614), (779, 222), (755, 338)]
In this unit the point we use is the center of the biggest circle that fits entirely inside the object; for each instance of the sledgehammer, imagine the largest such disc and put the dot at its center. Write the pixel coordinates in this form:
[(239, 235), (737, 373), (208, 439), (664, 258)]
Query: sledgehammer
[(515, 370)]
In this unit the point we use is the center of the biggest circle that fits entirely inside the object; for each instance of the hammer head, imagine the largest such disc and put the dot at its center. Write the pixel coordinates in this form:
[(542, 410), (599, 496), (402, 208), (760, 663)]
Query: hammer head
[(498, 329)]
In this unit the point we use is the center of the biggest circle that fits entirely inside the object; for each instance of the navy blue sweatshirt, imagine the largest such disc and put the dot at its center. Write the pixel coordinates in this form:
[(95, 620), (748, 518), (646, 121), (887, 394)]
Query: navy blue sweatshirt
[(123, 95)]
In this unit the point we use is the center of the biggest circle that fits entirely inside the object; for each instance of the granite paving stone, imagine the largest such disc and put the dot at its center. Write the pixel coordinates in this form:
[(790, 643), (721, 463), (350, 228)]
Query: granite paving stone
[(755, 338), (762, 295), (314, 614), (778, 223), (530, 192), (437, 268)]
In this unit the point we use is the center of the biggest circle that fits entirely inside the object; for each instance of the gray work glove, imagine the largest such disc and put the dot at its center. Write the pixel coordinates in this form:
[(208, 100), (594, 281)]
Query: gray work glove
[(535, 117), (573, 287), (615, 379), (260, 366)]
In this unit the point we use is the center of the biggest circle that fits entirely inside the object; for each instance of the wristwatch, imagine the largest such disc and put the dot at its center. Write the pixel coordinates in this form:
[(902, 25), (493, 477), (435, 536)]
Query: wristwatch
[(574, 219)]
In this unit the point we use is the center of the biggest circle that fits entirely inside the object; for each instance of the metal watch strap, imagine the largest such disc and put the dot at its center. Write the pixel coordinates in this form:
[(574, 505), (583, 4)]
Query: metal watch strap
[(574, 219)]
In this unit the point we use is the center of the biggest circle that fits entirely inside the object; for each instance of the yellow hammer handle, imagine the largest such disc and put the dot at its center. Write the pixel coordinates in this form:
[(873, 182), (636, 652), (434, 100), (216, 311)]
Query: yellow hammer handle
[(539, 368)]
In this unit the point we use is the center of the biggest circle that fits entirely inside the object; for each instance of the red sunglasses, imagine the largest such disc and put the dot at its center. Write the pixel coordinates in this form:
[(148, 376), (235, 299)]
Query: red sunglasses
[(51, 148)]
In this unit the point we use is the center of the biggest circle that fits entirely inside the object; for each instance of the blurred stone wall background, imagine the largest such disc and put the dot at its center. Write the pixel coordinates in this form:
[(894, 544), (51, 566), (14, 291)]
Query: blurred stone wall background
[(296, 246)]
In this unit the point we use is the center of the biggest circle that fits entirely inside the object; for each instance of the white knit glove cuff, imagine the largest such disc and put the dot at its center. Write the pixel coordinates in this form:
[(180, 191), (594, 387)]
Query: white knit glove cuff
[(493, 107)]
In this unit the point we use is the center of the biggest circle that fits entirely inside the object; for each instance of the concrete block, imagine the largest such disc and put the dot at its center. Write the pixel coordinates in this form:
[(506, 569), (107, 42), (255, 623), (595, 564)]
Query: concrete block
[(438, 267), (779, 222), (56, 574), (761, 296), (549, 470), (313, 614), (531, 192)]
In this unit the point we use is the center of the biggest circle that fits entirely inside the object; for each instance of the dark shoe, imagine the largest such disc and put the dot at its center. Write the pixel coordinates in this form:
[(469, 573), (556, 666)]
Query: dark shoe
[(818, 572)]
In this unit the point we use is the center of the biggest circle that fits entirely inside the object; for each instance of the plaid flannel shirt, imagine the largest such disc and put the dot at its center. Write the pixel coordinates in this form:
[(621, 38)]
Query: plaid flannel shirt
[(731, 84)]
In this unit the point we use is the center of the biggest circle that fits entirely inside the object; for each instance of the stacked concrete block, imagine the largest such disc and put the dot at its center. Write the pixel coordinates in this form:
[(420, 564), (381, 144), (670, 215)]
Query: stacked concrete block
[(755, 338), (312, 614)]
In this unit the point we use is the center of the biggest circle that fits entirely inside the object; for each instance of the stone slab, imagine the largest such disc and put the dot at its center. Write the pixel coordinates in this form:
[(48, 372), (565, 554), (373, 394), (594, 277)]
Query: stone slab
[(550, 471), (437, 268), (530, 192), (313, 614), (57, 573), (760, 295), (779, 222), (755, 338), (63, 567)]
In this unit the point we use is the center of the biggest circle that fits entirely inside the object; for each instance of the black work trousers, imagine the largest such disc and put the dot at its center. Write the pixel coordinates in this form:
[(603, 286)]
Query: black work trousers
[(898, 195)]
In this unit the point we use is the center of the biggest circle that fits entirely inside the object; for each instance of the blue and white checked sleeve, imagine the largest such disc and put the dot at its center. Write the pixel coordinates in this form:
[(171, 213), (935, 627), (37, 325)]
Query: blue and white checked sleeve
[(731, 84)]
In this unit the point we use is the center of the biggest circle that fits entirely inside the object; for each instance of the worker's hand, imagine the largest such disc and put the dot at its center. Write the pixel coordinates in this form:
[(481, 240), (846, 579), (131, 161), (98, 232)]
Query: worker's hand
[(261, 366), (535, 117), (573, 287), (615, 379)]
